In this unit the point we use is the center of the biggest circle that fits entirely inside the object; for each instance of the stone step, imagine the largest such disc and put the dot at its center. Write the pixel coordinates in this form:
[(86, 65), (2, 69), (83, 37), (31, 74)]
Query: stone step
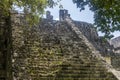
[(77, 78)]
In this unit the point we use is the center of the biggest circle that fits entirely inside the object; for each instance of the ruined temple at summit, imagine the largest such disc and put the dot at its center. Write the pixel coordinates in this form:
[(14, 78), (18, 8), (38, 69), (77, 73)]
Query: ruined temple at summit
[(61, 50)]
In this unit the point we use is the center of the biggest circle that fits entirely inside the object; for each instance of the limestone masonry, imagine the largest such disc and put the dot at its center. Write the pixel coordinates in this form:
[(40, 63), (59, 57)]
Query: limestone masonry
[(116, 44), (61, 50)]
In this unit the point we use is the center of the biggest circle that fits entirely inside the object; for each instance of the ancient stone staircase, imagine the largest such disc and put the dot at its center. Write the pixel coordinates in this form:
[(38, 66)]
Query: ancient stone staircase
[(78, 59), (95, 53), (82, 66), (80, 62)]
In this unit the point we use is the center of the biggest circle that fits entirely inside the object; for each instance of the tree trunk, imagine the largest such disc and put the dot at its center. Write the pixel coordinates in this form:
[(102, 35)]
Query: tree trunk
[(5, 46)]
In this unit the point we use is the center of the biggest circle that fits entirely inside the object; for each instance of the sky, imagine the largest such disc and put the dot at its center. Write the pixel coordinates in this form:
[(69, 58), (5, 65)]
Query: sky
[(85, 16)]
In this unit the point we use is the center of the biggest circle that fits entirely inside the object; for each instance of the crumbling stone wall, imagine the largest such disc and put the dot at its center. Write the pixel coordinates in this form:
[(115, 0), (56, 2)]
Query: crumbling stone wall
[(116, 44), (53, 51), (91, 34), (63, 13), (116, 58), (37, 54), (49, 16)]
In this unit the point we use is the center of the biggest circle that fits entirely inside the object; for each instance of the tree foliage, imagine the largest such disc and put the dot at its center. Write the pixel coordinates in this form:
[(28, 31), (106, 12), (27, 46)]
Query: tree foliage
[(106, 14), (34, 8)]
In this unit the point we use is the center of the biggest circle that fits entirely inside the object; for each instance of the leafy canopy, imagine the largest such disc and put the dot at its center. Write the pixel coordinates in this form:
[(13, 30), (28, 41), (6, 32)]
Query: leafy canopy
[(106, 14), (34, 8)]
